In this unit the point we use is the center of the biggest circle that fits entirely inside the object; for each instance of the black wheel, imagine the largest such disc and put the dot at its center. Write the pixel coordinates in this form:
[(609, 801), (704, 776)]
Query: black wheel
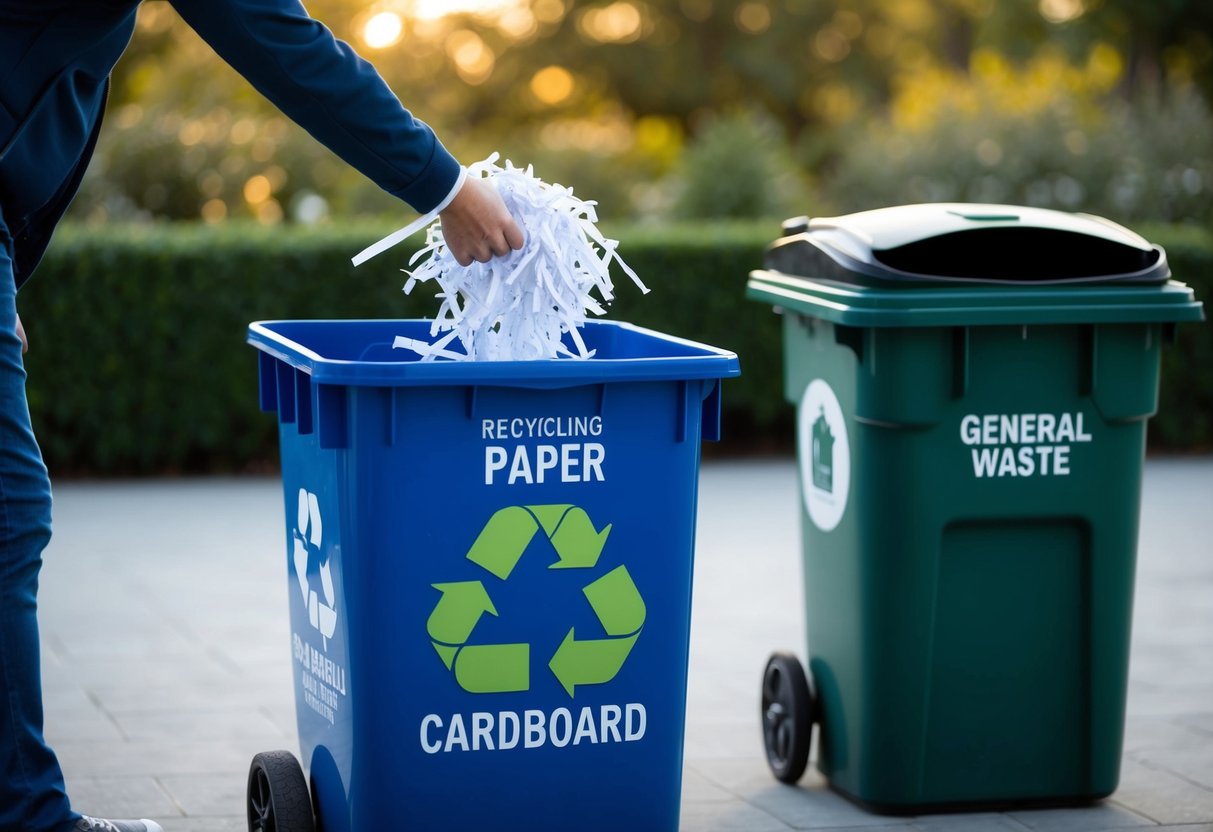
[(278, 797), (787, 717)]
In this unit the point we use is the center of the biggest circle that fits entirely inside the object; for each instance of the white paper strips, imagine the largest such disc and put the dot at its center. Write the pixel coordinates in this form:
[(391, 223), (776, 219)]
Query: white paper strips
[(519, 306)]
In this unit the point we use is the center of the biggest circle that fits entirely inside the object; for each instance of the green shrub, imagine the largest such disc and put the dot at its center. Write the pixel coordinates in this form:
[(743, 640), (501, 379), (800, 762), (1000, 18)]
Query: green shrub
[(1129, 161), (138, 362), (738, 167), (1185, 400)]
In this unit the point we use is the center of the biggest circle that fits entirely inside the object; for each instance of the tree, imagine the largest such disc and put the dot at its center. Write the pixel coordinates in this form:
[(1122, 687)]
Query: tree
[(604, 94)]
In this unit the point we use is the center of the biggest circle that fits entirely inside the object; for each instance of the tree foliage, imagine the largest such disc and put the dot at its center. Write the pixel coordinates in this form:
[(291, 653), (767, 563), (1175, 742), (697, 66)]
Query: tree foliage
[(607, 95)]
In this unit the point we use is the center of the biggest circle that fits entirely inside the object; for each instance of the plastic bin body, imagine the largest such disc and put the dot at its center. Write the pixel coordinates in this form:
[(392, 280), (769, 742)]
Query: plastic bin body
[(969, 559), (471, 680)]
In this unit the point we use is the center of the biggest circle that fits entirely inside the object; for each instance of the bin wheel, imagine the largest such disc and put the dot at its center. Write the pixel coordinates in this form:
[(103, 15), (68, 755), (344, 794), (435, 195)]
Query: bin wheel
[(787, 717), (278, 796)]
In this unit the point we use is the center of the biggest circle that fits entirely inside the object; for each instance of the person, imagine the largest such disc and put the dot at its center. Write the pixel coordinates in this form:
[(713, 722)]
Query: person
[(55, 61)]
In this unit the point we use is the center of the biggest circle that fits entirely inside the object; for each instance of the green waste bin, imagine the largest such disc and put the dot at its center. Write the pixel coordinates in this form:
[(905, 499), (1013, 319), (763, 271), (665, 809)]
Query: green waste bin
[(972, 386)]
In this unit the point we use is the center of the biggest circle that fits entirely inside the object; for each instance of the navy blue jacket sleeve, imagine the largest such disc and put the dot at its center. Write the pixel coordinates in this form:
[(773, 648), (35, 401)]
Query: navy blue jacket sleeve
[(320, 83)]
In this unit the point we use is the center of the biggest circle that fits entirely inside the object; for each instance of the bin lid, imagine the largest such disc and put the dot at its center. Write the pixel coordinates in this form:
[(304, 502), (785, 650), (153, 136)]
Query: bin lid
[(947, 243), (960, 264)]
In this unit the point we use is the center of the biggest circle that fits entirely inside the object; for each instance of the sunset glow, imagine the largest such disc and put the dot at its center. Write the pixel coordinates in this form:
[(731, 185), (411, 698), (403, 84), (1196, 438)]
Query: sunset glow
[(434, 9)]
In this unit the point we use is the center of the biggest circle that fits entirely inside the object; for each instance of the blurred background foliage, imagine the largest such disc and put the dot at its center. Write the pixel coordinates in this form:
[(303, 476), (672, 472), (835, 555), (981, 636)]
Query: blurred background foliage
[(696, 125), (676, 109)]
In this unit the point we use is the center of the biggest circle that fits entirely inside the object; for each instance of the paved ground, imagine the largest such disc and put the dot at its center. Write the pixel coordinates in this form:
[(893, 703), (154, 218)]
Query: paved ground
[(167, 660)]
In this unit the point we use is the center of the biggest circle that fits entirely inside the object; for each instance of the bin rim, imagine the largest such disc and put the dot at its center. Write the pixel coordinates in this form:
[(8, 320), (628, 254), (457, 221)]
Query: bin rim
[(690, 360), (857, 305)]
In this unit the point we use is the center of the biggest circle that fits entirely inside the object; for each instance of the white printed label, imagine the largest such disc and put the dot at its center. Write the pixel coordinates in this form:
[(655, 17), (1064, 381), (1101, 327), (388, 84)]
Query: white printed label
[(1022, 444), (508, 730), (535, 464), (322, 679), (825, 456)]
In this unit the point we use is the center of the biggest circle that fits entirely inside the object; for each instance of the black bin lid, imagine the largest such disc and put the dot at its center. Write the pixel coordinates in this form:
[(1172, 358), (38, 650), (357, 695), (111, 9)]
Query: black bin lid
[(949, 243)]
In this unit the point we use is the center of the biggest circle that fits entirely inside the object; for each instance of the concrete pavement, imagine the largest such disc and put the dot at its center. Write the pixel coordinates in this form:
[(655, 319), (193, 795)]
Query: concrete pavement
[(167, 662)]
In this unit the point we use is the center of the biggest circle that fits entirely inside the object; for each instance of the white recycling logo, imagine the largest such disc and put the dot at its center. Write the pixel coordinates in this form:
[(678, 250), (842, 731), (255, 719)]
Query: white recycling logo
[(307, 534)]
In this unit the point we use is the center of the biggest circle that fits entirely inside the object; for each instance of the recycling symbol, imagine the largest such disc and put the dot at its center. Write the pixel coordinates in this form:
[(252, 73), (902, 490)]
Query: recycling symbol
[(504, 668), (307, 535)]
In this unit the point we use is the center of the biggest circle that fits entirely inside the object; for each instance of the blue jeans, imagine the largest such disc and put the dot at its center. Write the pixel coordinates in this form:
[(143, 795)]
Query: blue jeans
[(32, 795)]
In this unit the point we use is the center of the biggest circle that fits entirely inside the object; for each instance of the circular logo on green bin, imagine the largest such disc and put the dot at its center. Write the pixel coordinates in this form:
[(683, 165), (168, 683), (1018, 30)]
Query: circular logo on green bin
[(504, 668), (825, 456)]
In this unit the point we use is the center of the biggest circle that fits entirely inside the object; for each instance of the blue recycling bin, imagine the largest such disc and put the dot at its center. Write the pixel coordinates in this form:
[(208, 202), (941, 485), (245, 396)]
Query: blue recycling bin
[(489, 570)]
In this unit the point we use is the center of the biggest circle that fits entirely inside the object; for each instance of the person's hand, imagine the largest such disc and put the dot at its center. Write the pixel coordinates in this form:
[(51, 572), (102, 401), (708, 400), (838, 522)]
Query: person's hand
[(21, 335), (477, 225)]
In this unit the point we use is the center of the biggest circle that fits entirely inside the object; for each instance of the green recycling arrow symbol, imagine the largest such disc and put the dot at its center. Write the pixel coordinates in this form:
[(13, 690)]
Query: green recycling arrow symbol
[(501, 542), (503, 668)]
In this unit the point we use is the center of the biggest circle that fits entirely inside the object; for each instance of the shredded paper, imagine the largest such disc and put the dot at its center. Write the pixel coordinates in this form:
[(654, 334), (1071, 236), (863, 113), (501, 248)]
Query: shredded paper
[(516, 307)]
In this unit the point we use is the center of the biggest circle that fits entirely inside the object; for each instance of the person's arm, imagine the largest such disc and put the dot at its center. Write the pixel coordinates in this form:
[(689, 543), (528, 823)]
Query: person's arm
[(21, 335), (323, 85)]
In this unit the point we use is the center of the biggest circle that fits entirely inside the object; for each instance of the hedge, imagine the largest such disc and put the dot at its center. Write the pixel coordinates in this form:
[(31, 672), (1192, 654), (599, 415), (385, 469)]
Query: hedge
[(138, 362)]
